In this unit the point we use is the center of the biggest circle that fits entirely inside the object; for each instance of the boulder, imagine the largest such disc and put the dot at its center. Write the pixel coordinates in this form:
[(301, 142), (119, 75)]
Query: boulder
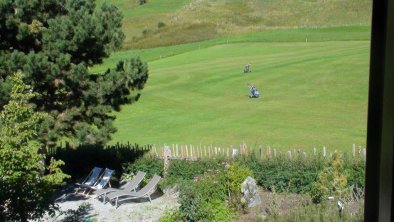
[(250, 192)]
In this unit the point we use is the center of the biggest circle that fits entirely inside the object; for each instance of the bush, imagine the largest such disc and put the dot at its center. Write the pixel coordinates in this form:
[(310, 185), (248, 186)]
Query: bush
[(145, 31), (235, 176), (332, 181), (147, 164), (286, 175), (355, 171), (216, 195), (217, 210), (194, 196), (160, 25), (181, 170)]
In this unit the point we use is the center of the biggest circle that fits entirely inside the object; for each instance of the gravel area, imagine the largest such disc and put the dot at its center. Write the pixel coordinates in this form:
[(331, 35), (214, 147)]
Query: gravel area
[(134, 210)]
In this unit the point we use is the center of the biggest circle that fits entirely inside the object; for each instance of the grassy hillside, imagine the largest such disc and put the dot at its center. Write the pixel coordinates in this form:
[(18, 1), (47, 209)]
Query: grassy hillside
[(313, 94), (196, 20), (349, 33), (309, 60)]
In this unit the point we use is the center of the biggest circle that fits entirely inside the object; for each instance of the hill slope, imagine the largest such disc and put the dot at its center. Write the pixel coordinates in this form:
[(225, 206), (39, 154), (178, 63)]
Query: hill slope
[(185, 21)]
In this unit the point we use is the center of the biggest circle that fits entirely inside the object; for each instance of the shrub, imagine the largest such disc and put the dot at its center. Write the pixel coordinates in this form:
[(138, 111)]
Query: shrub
[(235, 176), (147, 164), (194, 196), (217, 210), (332, 181), (160, 25), (181, 170), (355, 171), (25, 190), (145, 31), (286, 175)]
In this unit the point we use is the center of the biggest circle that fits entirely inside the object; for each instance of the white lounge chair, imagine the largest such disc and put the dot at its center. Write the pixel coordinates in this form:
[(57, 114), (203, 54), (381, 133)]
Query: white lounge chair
[(101, 183), (145, 192), (129, 186), (92, 177)]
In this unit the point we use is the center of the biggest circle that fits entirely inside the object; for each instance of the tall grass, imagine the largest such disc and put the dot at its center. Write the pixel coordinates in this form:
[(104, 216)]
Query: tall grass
[(189, 20)]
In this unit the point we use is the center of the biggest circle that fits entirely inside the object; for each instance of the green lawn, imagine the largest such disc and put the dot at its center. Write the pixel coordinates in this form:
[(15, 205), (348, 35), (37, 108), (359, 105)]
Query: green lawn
[(340, 33), (313, 94)]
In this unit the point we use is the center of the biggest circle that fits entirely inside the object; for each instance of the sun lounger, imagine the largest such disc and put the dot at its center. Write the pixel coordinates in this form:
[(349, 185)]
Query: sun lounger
[(101, 183), (145, 192), (92, 177), (129, 186)]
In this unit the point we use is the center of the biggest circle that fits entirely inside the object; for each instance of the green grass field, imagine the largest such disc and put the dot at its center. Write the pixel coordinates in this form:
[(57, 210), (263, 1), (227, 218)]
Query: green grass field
[(313, 94), (310, 61)]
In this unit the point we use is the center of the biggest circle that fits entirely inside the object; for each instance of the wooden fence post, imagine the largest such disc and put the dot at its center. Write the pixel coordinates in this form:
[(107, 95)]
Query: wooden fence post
[(354, 150), (166, 155), (260, 152)]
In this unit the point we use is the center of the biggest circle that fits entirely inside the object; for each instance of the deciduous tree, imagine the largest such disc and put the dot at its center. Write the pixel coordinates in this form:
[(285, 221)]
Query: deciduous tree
[(26, 184)]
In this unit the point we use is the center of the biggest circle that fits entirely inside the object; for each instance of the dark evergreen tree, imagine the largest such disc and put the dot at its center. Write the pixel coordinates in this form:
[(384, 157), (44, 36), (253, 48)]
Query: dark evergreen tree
[(54, 42)]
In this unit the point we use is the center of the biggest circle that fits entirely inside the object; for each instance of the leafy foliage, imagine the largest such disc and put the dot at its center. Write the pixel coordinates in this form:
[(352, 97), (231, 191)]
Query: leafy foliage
[(295, 175), (25, 191), (214, 194), (197, 197), (147, 164), (180, 170), (49, 43), (217, 210), (235, 176), (332, 181)]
